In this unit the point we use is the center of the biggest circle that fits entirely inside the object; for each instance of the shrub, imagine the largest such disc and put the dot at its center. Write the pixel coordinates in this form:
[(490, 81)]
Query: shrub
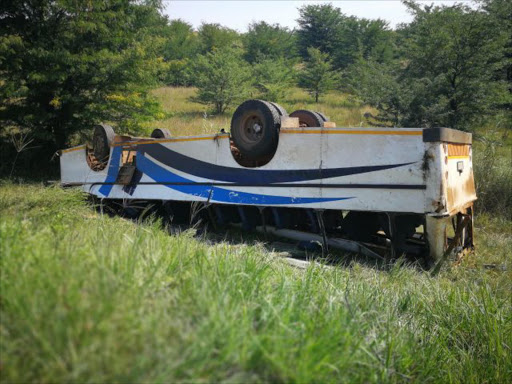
[(222, 78), (493, 178)]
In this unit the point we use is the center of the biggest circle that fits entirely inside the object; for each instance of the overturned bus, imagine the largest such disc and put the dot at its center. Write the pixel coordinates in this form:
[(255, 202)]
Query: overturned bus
[(378, 191)]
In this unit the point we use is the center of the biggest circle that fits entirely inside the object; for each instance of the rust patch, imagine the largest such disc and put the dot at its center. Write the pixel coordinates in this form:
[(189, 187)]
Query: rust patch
[(425, 165), (125, 174), (451, 196), (461, 194), (93, 162)]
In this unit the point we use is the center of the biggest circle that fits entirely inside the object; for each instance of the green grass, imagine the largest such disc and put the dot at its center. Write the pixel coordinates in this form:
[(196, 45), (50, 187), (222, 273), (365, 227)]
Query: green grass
[(190, 118), (92, 298)]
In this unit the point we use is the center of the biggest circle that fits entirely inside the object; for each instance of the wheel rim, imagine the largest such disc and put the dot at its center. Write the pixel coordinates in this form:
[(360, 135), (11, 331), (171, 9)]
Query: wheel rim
[(253, 128)]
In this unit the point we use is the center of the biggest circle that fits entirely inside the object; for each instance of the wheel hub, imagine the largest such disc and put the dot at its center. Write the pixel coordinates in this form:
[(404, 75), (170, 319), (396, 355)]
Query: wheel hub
[(253, 131)]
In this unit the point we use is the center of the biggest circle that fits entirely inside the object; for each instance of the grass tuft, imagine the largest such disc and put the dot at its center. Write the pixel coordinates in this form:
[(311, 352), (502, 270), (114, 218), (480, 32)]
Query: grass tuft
[(87, 297)]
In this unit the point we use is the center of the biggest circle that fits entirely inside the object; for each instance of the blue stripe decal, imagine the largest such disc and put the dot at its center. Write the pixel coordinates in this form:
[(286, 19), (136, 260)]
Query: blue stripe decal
[(218, 173), (217, 194), (113, 170)]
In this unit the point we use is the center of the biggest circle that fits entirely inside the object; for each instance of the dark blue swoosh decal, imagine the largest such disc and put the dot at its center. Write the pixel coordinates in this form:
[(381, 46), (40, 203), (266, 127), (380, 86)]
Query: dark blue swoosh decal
[(245, 175), (223, 195), (113, 170)]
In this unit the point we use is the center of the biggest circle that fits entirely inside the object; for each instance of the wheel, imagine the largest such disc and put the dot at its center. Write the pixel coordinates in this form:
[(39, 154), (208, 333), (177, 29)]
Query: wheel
[(324, 118), (161, 133), (307, 118), (255, 129), (101, 141), (279, 109)]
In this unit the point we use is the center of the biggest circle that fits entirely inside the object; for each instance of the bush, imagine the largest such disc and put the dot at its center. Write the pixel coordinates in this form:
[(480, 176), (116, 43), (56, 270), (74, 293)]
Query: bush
[(318, 76), (493, 178), (273, 78), (222, 78)]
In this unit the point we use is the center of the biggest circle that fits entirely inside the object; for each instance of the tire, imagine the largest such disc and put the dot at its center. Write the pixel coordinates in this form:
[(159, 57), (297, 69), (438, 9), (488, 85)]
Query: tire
[(255, 129), (279, 109), (101, 141), (324, 118), (161, 133), (307, 118)]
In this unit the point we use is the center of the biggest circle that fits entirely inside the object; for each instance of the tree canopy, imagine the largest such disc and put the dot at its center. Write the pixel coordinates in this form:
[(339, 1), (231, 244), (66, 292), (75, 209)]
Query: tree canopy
[(263, 40), (273, 78), (447, 73), (318, 76), (67, 65), (222, 77), (215, 36), (344, 38)]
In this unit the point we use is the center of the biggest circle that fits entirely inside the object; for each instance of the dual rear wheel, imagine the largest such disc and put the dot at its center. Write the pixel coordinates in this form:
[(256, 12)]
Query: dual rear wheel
[(255, 129)]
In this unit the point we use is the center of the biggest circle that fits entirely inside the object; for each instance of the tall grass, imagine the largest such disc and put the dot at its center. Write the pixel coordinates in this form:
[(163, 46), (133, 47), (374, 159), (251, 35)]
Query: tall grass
[(86, 297), (493, 174), (186, 117)]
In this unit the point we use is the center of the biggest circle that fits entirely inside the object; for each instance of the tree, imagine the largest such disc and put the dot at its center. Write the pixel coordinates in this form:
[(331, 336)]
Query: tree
[(380, 86), (453, 55), (376, 40), (263, 40), (181, 42), (501, 11), (65, 66), (222, 78), (319, 26), (345, 38), (317, 76), (214, 36), (447, 74), (273, 78), (180, 46)]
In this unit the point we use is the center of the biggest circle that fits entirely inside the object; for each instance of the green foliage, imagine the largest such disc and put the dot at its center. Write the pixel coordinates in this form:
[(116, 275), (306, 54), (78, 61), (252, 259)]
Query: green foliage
[(345, 39), (222, 78), (379, 86), (376, 40), (214, 36), (317, 76), (454, 52), (273, 78), (179, 72), (263, 40), (92, 298), (501, 12), (62, 62), (447, 75), (181, 42), (319, 26), (493, 174)]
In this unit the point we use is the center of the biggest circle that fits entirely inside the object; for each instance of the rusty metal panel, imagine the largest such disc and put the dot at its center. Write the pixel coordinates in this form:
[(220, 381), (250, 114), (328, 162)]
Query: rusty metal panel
[(125, 175), (458, 177)]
